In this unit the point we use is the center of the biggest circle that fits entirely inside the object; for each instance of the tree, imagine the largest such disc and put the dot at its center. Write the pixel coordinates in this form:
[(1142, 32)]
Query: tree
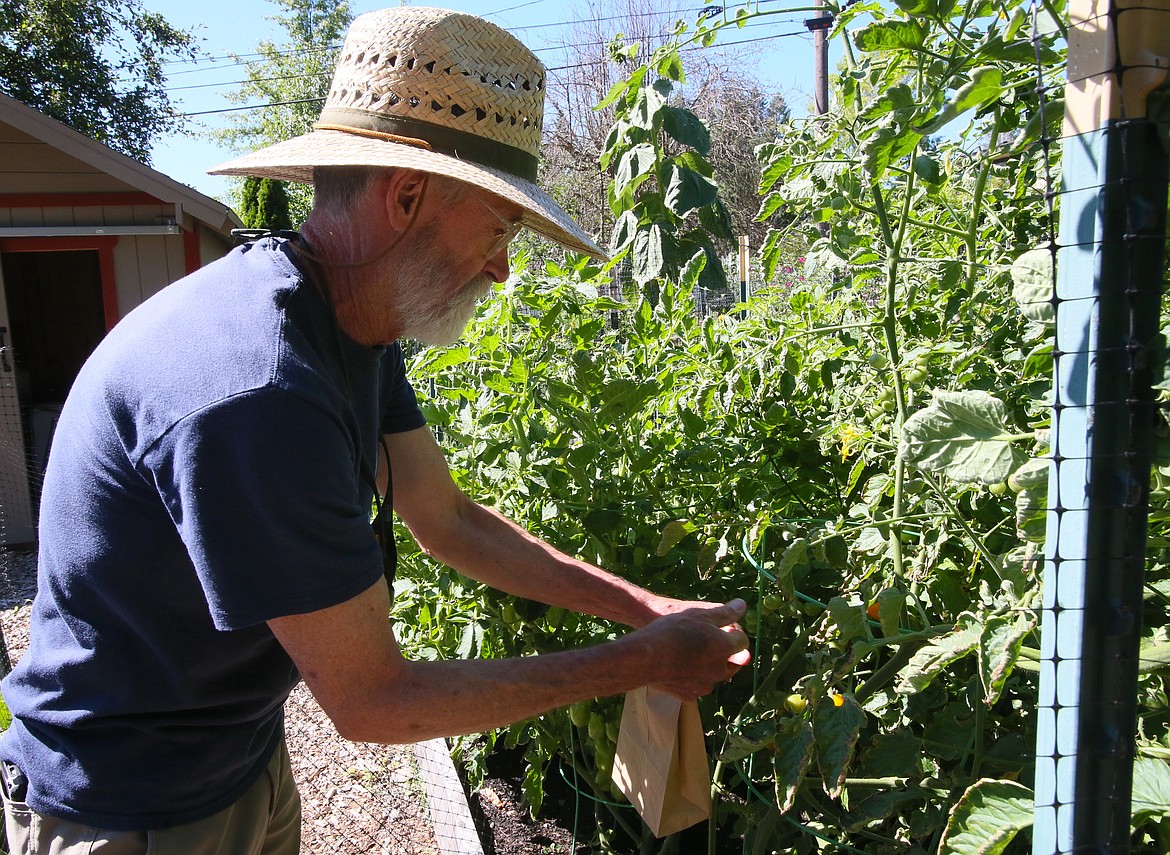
[(264, 204), (610, 38), (95, 65), (289, 84)]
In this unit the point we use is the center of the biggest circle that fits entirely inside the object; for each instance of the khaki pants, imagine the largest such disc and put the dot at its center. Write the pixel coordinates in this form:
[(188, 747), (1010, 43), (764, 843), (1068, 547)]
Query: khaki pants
[(265, 821)]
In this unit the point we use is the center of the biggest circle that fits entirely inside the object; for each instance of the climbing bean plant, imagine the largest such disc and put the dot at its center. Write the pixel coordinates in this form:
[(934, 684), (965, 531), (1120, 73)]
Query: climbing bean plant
[(859, 451)]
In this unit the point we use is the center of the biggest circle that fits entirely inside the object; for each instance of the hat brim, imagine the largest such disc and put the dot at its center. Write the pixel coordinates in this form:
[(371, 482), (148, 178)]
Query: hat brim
[(294, 160)]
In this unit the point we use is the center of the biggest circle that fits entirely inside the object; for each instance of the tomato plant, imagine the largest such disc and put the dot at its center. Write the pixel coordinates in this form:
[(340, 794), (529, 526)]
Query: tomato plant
[(861, 453)]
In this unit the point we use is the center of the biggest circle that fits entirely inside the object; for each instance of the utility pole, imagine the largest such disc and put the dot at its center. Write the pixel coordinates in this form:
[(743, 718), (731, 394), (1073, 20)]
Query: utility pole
[(819, 27)]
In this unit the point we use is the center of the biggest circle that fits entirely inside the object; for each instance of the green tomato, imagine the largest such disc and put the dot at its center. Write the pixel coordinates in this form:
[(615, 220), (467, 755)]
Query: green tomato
[(916, 375), (796, 703), (998, 488), (597, 727), (751, 621), (579, 713), (772, 602), (879, 360)]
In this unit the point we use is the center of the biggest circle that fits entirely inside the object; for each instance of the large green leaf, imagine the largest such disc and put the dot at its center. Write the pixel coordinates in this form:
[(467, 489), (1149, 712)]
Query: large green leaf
[(648, 254), (938, 9), (999, 647), (890, 35), (635, 166), (986, 85), (1033, 279), (963, 435), (926, 664), (987, 818), (794, 752), (890, 143), (837, 722), (1151, 789), (687, 190), (686, 128)]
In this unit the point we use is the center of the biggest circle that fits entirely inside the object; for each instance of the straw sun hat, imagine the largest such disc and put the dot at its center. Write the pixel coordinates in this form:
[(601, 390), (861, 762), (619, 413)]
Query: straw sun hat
[(440, 91)]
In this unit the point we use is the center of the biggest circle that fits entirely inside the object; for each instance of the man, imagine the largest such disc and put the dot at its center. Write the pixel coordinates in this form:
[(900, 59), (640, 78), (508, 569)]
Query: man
[(205, 535)]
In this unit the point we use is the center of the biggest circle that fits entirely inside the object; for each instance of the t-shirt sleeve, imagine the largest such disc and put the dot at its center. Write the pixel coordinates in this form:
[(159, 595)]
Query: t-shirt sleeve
[(401, 412), (266, 496)]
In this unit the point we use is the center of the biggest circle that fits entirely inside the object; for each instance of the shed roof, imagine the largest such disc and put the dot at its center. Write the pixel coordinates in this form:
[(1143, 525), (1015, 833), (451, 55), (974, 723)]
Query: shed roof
[(126, 169)]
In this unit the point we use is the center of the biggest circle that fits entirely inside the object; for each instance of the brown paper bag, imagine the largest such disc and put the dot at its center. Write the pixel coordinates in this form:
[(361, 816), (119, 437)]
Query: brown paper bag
[(661, 761)]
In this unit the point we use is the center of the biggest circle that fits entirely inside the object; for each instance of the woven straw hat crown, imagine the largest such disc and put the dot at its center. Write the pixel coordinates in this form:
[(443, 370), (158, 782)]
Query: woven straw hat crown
[(437, 90)]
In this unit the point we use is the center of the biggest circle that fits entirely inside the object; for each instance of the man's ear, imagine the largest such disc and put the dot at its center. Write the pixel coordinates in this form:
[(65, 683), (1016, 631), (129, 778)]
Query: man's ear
[(404, 194)]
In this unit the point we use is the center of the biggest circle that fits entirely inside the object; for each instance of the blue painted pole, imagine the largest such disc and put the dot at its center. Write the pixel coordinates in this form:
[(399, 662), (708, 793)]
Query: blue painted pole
[(1108, 301)]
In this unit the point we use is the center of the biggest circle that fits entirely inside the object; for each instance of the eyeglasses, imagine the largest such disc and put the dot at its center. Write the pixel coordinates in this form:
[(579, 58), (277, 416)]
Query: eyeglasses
[(504, 234)]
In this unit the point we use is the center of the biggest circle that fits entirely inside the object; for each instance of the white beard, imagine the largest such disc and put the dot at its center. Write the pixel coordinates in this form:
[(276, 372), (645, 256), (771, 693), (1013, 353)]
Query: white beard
[(418, 305)]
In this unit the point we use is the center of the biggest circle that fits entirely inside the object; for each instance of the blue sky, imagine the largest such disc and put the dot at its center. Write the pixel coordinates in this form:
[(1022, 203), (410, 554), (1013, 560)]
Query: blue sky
[(777, 47)]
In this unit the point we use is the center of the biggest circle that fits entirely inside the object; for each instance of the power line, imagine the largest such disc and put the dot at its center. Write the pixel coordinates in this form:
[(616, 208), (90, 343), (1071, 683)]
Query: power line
[(239, 59), (558, 48), (795, 33)]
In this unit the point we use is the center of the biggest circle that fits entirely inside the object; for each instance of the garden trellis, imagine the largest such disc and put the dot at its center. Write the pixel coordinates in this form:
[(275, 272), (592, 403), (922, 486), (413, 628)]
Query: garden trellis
[(1109, 262)]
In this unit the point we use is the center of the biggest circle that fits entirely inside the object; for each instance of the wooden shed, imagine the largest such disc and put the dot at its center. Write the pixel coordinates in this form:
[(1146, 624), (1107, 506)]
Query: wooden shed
[(86, 234)]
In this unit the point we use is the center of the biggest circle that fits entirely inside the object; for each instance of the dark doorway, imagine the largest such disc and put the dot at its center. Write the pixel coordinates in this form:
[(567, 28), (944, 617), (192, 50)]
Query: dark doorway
[(55, 317)]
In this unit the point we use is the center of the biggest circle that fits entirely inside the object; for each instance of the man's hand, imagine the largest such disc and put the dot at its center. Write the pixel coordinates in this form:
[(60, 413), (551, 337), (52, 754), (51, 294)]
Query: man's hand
[(700, 645)]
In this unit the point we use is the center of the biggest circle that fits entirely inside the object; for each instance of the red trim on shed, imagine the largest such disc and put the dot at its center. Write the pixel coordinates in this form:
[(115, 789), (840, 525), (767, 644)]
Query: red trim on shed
[(103, 244), (192, 256), (77, 200)]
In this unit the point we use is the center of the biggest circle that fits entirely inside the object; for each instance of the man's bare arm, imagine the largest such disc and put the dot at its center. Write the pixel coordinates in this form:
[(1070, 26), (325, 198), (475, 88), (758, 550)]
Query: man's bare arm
[(351, 662), (483, 544)]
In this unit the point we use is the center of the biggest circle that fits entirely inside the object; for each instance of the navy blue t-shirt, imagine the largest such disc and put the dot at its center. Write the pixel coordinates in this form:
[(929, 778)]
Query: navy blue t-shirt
[(204, 478)]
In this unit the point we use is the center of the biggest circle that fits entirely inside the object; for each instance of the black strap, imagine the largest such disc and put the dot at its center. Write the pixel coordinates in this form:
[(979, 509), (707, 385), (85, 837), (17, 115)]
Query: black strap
[(384, 518)]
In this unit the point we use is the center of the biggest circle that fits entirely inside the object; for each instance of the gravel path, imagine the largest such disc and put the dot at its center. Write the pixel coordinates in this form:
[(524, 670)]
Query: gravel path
[(356, 797)]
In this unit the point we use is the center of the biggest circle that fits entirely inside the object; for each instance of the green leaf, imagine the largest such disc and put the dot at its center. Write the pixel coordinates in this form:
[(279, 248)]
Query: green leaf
[(686, 128), (987, 818), (634, 167), (985, 86), (837, 727), (890, 36), (672, 533), (899, 97), (794, 555), (890, 604), (623, 232), (928, 662), (1033, 283), (670, 66), (647, 106), (692, 270), (687, 190), (747, 741), (448, 358), (898, 752), (937, 9), (624, 397), (890, 143), (999, 648), (1151, 789), (648, 254), (963, 435), (849, 618), (794, 751), (622, 87), (927, 168), (773, 172)]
